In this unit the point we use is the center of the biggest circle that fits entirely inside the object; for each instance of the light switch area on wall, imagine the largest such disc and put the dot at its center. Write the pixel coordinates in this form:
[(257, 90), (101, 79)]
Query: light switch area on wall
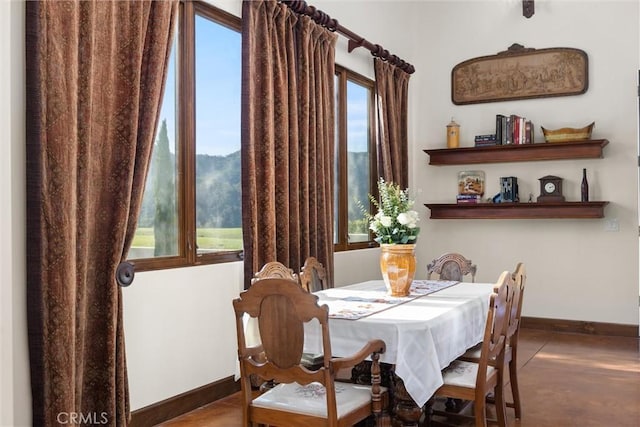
[(611, 224)]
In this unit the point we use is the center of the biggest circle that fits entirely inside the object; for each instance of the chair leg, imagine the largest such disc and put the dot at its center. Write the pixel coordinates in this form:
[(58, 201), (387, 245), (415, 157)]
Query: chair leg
[(515, 391), (501, 407), (480, 411)]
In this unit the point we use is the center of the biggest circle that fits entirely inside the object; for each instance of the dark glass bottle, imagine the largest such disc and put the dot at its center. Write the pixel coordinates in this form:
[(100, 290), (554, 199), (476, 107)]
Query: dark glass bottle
[(584, 188)]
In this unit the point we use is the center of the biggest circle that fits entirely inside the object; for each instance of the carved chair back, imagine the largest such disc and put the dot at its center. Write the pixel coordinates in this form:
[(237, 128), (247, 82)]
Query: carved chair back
[(274, 269), (313, 276), (451, 266)]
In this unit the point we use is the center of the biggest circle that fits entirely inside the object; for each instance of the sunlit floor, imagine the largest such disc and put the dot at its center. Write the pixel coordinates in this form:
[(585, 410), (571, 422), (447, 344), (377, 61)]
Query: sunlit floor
[(566, 380)]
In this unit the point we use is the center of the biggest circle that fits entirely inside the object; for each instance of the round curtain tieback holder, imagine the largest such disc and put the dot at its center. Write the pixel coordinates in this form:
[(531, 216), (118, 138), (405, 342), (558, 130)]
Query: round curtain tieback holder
[(125, 273)]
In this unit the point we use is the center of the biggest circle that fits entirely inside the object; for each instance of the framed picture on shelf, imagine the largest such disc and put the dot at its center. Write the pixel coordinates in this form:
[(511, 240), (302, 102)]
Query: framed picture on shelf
[(471, 183)]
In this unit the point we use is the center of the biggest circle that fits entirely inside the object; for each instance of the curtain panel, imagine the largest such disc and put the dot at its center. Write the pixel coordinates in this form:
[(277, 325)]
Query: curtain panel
[(392, 89), (95, 75), (287, 138)]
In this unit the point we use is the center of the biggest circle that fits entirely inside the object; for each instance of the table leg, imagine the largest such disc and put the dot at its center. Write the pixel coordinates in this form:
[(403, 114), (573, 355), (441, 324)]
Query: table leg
[(404, 411)]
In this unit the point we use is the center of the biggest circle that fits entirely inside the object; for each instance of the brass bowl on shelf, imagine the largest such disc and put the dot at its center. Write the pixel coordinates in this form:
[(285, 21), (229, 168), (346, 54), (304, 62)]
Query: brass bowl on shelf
[(568, 134)]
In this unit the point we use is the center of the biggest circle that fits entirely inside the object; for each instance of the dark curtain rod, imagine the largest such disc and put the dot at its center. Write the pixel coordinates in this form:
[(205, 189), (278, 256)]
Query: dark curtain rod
[(355, 41)]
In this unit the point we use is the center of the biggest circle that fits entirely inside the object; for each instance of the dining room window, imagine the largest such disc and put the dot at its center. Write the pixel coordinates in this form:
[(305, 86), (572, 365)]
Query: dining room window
[(191, 208), (355, 159)]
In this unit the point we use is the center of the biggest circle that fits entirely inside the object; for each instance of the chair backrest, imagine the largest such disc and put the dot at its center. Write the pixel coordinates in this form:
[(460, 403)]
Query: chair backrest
[(451, 266), (313, 276), (272, 270), (519, 277), (282, 308), (493, 343)]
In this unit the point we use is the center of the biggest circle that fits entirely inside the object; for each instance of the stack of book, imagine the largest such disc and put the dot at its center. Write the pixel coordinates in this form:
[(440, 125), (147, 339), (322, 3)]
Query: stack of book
[(513, 129), (468, 198), (486, 140)]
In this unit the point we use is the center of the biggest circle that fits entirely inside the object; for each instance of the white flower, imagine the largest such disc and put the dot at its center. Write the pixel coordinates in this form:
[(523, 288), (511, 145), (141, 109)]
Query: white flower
[(403, 218), (385, 220), (413, 219)]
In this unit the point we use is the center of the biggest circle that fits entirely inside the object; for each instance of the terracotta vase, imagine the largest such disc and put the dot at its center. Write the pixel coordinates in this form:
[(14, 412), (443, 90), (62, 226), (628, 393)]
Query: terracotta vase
[(398, 266)]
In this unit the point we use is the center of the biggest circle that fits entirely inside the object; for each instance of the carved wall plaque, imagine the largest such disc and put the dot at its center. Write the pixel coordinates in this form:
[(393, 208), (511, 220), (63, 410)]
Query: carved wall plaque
[(520, 73)]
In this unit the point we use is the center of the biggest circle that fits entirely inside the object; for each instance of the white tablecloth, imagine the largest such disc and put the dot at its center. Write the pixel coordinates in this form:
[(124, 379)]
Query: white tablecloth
[(422, 336)]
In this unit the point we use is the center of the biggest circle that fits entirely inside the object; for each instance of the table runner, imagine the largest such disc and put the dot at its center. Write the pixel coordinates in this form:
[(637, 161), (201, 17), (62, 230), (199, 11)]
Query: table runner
[(358, 304)]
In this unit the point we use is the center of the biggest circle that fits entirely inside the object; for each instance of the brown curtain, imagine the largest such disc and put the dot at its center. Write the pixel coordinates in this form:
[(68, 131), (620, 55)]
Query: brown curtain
[(287, 138), (392, 88), (95, 75)]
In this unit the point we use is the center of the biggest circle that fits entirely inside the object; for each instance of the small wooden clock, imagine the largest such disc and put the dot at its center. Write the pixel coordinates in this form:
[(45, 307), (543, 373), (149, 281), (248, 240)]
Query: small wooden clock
[(550, 189)]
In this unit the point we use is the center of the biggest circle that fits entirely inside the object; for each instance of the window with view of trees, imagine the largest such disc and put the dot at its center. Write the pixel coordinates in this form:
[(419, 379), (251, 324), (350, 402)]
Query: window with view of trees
[(191, 209), (356, 159)]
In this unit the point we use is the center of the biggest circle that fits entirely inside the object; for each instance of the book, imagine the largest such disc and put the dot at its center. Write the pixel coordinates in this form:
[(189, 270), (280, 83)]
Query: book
[(515, 128), (521, 130), (486, 143), (468, 198), (499, 128), (490, 137), (528, 132)]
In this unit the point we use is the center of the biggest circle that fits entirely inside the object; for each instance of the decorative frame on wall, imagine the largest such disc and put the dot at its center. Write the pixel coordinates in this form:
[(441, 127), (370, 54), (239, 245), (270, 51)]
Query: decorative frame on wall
[(520, 73)]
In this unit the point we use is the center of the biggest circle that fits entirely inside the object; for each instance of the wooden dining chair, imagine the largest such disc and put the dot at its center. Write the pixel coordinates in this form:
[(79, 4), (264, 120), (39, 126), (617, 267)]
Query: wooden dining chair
[(513, 333), (473, 381), (274, 269), (313, 276), (451, 266), (519, 278), (302, 397)]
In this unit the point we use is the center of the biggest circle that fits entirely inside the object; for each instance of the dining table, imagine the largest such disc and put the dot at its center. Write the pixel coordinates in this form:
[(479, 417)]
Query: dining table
[(423, 331)]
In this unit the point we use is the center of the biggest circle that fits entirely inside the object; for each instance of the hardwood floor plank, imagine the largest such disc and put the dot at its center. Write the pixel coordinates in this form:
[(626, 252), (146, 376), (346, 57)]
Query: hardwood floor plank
[(566, 379)]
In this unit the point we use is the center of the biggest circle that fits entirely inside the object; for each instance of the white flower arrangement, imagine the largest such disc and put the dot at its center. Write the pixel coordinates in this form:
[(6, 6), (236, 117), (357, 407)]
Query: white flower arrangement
[(395, 221)]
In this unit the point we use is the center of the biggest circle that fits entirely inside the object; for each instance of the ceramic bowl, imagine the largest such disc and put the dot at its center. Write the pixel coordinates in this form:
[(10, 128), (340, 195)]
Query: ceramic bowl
[(568, 134)]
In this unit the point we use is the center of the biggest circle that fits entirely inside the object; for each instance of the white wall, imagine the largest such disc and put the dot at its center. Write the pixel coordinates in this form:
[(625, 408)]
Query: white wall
[(180, 330), (15, 397), (179, 324), (576, 269)]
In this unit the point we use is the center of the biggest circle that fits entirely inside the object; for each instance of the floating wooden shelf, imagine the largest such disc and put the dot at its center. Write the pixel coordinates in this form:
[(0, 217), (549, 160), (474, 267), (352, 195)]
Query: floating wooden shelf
[(517, 210), (590, 149)]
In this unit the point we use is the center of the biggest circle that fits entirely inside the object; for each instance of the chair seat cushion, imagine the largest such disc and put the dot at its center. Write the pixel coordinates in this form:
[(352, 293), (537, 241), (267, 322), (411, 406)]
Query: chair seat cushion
[(311, 398), (463, 374), (312, 360), (473, 352)]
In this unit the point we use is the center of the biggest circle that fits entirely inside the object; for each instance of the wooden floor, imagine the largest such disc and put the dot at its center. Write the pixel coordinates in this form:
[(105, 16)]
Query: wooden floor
[(565, 380)]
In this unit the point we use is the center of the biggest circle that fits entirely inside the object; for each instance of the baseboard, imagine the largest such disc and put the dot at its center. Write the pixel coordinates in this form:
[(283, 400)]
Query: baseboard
[(581, 327), (183, 403)]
